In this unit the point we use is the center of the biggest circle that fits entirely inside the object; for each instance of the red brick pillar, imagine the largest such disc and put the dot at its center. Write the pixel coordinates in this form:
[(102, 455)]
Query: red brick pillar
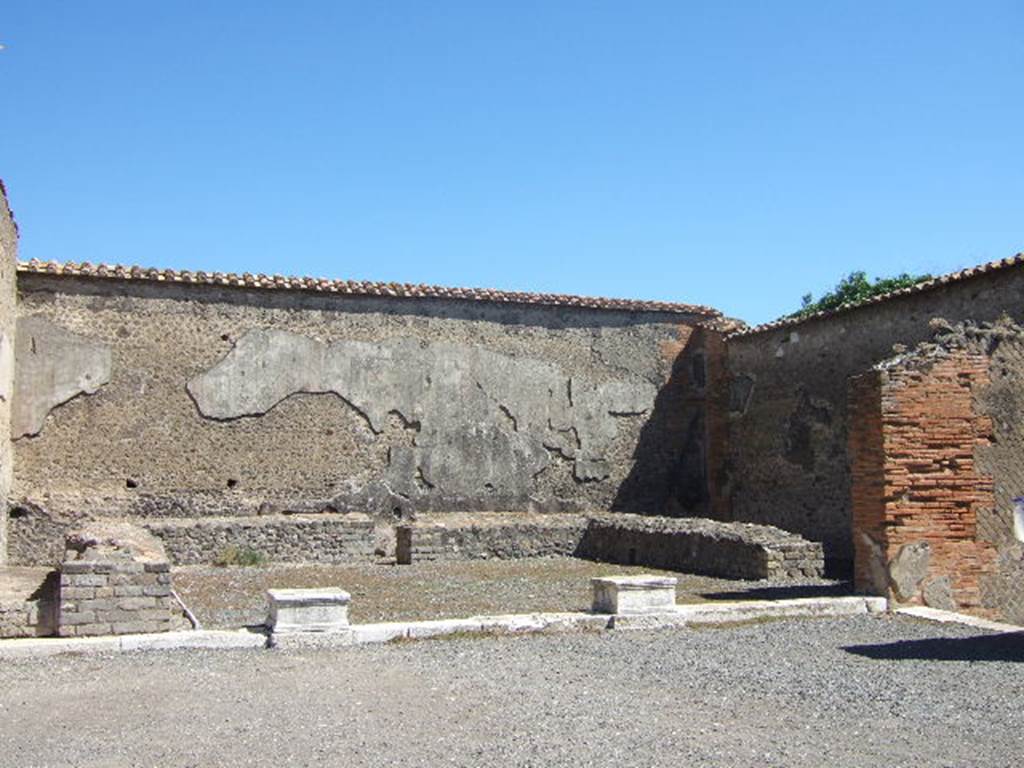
[(916, 489)]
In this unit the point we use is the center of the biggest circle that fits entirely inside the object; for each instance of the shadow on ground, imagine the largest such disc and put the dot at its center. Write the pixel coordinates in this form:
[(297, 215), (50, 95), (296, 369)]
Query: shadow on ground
[(782, 592), (1003, 647)]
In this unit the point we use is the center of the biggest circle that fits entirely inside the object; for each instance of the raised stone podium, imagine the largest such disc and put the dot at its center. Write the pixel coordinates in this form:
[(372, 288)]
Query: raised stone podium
[(634, 594)]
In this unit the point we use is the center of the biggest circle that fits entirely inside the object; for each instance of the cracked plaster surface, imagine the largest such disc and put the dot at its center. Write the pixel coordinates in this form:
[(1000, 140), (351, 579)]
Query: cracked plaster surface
[(482, 419), (53, 366)]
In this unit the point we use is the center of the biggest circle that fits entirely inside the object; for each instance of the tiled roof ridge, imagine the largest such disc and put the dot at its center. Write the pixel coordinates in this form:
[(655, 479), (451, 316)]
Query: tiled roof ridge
[(353, 287), (924, 285)]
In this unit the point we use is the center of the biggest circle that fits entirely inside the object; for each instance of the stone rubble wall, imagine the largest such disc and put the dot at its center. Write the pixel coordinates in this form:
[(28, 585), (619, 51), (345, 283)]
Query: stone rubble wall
[(502, 537), (323, 538), (708, 547), (730, 550)]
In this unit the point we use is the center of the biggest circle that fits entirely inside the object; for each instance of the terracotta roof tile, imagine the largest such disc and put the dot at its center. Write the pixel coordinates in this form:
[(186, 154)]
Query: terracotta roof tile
[(353, 287), (927, 285)]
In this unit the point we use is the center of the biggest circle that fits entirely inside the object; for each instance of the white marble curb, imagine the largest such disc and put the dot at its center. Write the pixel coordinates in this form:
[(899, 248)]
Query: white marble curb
[(701, 614), (949, 617), (513, 624), (51, 646), (531, 623)]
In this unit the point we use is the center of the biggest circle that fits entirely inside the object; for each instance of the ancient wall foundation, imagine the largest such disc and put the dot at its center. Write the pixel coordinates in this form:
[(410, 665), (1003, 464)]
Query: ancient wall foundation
[(279, 538), (729, 550)]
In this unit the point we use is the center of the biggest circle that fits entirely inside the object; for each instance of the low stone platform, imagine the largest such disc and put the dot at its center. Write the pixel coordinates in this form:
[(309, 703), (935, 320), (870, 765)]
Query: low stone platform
[(316, 538)]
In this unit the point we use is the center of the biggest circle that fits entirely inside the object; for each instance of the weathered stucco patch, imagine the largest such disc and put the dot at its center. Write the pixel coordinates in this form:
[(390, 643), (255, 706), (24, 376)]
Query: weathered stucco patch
[(483, 420), (52, 366)]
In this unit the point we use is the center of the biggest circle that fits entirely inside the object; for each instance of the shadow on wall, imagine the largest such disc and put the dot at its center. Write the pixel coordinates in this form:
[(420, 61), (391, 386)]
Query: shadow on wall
[(1003, 647), (669, 475)]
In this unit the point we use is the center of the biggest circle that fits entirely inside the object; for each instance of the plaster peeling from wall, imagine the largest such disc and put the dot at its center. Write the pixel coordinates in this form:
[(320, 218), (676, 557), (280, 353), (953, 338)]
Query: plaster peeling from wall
[(486, 419), (52, 366)]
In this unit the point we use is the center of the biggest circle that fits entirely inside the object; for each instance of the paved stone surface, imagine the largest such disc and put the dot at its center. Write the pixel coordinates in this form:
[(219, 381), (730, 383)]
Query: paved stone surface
[(861, 691)]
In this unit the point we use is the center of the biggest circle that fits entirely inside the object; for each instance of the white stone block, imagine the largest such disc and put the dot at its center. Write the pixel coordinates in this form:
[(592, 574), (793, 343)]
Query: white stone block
[(308, 610), (634, 594)]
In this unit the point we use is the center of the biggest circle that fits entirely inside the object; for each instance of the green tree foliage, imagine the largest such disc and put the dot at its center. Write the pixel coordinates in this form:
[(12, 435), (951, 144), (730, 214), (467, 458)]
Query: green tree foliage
[(853, 289)]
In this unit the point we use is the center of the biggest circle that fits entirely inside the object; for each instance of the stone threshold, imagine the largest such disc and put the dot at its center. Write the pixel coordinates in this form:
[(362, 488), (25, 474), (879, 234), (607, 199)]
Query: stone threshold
[(681, 616)]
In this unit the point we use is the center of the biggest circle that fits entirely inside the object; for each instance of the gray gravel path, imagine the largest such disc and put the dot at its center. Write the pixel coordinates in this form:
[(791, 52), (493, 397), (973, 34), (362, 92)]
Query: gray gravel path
[(852, 692)]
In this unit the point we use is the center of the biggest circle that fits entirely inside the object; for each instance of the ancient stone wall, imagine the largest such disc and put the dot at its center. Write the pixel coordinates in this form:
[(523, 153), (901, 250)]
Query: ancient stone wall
[(787, 461), (937, 450), (277, 538), (712, 548), (731, 550), (490, 536), (8, 315), (143, 399)]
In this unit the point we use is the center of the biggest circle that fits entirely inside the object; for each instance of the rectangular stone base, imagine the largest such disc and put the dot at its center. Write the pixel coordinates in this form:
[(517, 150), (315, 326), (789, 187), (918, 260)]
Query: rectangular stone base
[(634, 594), (308, 610)]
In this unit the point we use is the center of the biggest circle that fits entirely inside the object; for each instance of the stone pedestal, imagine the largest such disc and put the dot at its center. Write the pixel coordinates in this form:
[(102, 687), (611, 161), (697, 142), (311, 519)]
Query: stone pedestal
[(634, 594), (308, 610)]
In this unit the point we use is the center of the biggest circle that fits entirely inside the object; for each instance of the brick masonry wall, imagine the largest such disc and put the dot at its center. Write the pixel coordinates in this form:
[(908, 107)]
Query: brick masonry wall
[(788, 463), (115, 598), (931, 439)]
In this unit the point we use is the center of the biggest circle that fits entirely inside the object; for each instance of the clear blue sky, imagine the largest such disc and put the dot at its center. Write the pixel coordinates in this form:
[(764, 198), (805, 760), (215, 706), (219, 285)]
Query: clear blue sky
[(737, 154)]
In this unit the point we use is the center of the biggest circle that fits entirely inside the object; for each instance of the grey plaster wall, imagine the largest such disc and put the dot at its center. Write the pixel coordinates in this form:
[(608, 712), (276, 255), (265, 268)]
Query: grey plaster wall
[(787, 461), (190, 401), (8, 314)]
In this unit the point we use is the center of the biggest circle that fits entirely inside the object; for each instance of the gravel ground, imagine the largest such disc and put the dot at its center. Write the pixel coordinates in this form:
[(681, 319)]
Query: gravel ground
[(236, 597), (851, 692)]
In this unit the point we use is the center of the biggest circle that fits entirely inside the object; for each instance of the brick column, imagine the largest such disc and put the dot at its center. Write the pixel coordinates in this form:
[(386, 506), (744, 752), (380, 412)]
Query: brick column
[(915, 485)]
